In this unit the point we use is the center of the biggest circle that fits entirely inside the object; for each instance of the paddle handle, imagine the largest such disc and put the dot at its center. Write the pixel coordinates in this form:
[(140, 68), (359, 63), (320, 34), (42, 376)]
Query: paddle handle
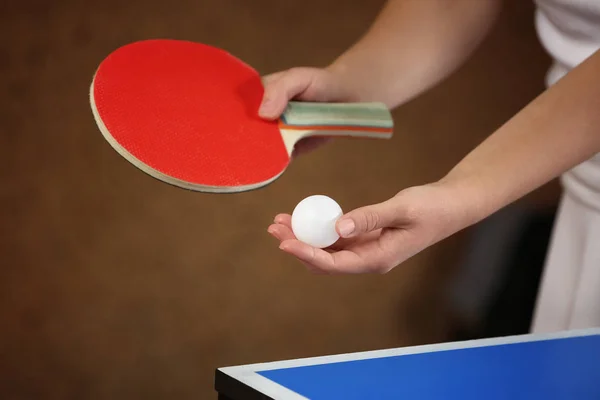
[(303, 119), (372, 117)]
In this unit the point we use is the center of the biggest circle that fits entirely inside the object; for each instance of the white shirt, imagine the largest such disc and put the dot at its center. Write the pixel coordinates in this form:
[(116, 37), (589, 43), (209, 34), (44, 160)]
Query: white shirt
[(570, 31)]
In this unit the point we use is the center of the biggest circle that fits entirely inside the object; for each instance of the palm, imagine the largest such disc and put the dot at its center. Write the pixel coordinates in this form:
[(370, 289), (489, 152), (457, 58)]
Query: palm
[(346, 255)]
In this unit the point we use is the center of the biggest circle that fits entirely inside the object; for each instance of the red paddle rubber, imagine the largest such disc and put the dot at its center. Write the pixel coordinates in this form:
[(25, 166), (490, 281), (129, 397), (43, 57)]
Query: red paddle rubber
[(186, 113)]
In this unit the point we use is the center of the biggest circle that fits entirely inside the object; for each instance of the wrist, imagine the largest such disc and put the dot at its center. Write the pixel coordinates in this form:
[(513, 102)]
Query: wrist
[(443, 208), (464, 199)]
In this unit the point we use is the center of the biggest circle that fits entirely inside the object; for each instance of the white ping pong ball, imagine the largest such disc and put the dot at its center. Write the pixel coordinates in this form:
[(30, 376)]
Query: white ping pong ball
[(314, 219)]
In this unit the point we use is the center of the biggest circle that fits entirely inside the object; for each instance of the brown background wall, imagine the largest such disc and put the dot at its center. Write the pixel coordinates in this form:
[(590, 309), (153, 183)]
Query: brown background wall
[(114, 285)]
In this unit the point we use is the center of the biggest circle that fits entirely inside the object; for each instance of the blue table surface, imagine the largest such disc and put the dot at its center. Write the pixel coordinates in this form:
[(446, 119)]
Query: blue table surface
[(566, 368)]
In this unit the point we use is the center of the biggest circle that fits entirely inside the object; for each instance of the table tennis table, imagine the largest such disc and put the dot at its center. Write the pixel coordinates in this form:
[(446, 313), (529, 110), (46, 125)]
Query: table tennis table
[(562, 365)]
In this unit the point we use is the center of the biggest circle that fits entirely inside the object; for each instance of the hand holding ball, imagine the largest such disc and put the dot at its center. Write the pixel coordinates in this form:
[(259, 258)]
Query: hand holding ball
[(314, 220)]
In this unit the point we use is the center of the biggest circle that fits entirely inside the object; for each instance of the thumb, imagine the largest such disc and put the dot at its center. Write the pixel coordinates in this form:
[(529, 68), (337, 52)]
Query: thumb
[(367, 219), (282, 87)]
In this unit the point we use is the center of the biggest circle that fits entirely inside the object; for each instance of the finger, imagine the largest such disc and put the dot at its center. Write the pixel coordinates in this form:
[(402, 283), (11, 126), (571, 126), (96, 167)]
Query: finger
[(279, 91), (281, 232), (340, 244), (299, 250), (370, 218), (284, 219), (341, 262), (314, 270), (352, 242), (264, 110), (270, 78)]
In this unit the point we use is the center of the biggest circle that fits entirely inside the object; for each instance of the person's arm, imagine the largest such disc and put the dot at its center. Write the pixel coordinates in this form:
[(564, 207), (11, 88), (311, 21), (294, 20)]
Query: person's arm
[(555, 132), (413, 45)]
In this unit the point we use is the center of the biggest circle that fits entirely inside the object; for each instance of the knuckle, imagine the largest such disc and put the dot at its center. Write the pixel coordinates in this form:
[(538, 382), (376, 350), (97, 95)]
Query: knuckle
[(292, 76), (297, 80), (412, 212), (267, 79), (408, 210), (370, 220), (296, 71)]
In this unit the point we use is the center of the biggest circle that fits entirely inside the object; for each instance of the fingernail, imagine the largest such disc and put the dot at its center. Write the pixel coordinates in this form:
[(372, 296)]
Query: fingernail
[(346, 227)]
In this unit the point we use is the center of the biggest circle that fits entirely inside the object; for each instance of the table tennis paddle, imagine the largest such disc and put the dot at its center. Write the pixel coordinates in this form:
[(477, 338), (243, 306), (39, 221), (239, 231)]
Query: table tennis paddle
[(187, 113)]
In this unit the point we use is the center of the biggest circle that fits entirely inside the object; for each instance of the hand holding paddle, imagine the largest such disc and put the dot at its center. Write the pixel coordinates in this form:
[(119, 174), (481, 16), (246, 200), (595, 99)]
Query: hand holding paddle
[(187, 113), (302, 84)]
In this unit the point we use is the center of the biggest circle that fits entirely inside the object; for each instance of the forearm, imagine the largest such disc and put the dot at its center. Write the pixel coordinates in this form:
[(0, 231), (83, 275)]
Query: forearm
[(413, 45), (555, 132)]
